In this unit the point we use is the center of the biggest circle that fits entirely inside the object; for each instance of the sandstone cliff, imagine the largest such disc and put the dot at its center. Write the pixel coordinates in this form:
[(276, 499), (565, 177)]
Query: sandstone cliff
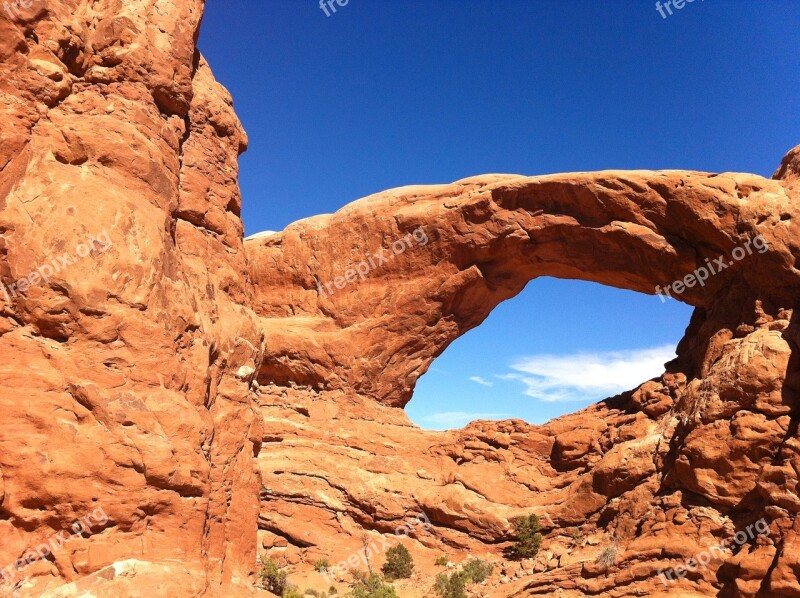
[(126, 375), (194, 388)]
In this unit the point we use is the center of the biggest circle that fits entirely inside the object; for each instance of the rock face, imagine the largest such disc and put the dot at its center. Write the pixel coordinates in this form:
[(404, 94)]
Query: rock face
[(654, 476), (147, 353), (126, 374)]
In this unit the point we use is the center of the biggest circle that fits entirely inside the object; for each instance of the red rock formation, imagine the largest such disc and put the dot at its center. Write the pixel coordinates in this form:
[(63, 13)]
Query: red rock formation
[(141, 380), (126, 376), (488, 237), (658, 474)]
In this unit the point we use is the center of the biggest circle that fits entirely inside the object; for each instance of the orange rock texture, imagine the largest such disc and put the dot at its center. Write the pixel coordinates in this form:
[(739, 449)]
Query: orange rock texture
[(194, 398), (653, 477), (126, 374)]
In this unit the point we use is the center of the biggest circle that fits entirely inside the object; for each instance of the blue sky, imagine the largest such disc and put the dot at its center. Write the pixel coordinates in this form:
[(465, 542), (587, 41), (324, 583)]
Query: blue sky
[(386, 93)]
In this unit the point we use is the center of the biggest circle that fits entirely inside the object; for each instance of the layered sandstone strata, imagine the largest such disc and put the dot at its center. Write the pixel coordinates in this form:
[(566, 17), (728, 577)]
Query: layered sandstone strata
[(194, 388)]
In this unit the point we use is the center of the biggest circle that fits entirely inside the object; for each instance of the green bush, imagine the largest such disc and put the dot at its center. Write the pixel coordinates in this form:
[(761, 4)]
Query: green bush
[(440, 584), (527, 537), (371, 586), (332, 591), (442, 561), (451, 586), (271, 577), (291, 592), (359, 575), (322, 565), (477, 570), (399, 563), (455, 585)]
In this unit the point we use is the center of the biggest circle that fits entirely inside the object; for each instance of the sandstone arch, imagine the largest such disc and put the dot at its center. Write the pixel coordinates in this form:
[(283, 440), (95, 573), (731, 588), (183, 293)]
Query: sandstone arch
[(665, 470), (489, 237)]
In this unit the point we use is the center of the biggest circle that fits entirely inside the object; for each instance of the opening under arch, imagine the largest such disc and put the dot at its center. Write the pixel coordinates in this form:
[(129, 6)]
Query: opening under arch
[(555, 348)]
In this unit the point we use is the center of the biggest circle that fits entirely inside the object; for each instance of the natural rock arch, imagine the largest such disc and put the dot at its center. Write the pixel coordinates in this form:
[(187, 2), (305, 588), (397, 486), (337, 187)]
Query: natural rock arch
[(665, 470), (130, 379), (488, 237)]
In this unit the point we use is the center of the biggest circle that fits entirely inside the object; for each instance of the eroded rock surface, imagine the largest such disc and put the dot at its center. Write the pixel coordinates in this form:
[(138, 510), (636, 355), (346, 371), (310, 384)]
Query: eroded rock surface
[(654, 476), (142, 376), (126, 375)]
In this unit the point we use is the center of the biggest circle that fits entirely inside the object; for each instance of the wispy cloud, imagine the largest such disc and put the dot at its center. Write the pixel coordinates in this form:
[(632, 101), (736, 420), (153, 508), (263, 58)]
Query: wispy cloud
[(481, 381), (458, 419), (588, 376)]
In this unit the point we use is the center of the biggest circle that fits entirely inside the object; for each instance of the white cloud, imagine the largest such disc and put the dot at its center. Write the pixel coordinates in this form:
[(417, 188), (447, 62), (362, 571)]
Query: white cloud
[(588, 376), (458, 419), (481, 381)]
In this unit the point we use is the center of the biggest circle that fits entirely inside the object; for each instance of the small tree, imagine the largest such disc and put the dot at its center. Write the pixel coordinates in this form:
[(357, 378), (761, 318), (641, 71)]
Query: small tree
[(477, 570), (271, 577), (527, 537), (371, 586), (455, 585), (441, 583), (451, 586), (365, 547), (399, 563)]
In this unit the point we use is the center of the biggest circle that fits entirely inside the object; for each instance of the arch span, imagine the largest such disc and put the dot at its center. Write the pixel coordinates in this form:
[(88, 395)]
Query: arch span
[(375, 331)]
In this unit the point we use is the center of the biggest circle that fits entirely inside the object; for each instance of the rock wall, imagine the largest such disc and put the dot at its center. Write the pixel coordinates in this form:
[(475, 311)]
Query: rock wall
[(126, 373), (147, 352)]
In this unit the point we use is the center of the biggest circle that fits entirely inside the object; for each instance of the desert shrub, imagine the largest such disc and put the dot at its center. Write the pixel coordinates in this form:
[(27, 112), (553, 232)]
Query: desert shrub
[(440, 584), (455, 585), (399, 563), (607, 557), (527, 538), (371, 586), (315, 593), (271, 577), (322, 565), (442, 561), (359, 575), (332, 591), (291, 592), (477, 570), (451, 586)]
